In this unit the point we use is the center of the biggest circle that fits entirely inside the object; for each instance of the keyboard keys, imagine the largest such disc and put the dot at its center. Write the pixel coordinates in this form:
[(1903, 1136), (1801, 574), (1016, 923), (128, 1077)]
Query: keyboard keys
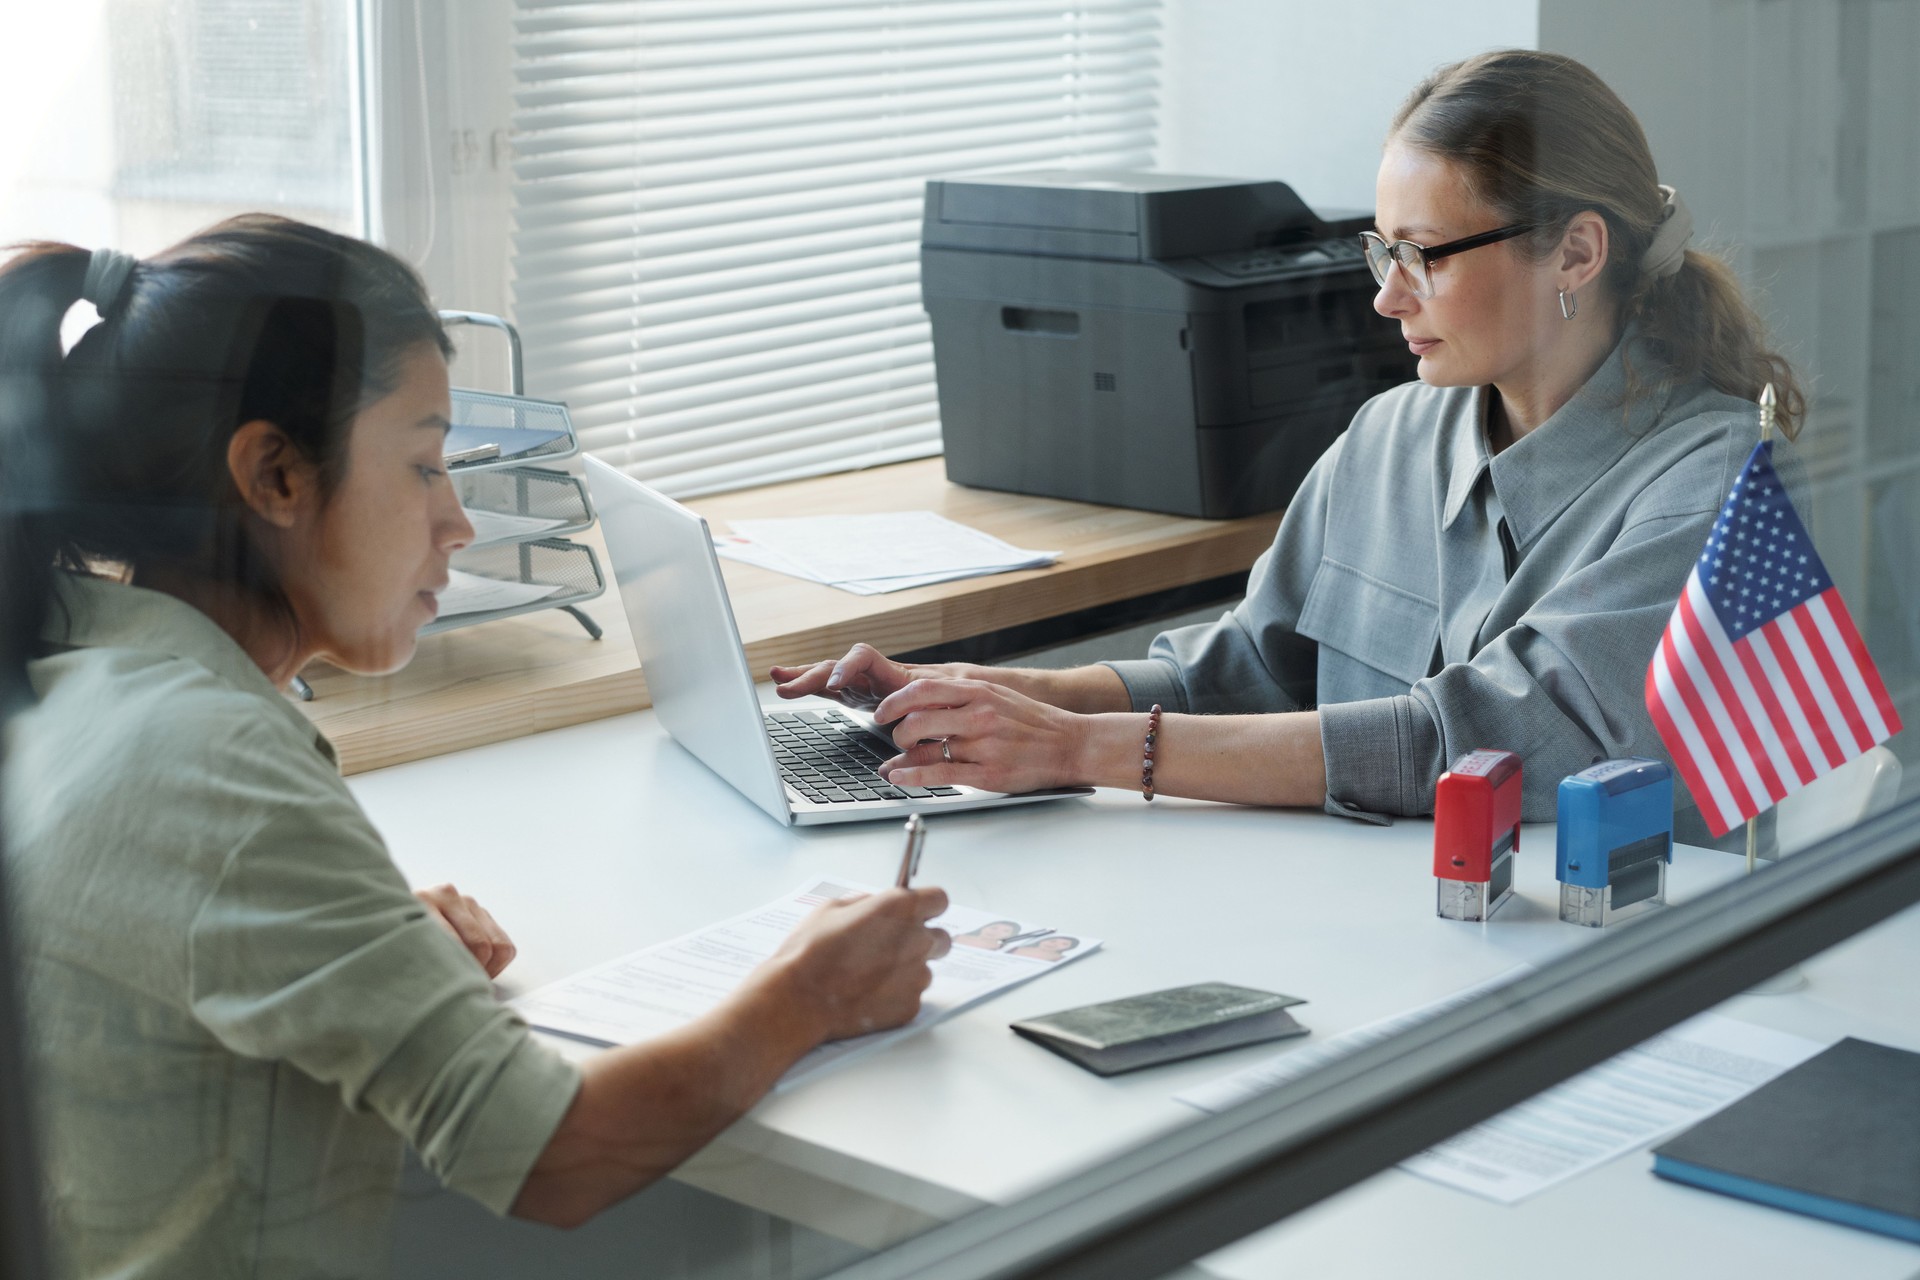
[(827, 758)]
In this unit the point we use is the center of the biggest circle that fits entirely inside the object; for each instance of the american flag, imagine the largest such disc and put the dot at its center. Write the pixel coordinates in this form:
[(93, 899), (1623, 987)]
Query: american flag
[(1761, 682)]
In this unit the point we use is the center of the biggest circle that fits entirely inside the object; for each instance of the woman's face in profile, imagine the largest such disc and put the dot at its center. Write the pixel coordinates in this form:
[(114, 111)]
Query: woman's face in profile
[(362, 571), (1487, 316)]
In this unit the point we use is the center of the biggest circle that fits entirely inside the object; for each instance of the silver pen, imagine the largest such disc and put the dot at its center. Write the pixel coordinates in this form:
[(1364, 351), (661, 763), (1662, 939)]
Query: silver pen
[(910, 856)]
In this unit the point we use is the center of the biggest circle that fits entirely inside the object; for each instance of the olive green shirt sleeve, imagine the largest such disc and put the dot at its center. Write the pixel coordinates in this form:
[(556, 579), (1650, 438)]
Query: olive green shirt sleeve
[(310, 949)]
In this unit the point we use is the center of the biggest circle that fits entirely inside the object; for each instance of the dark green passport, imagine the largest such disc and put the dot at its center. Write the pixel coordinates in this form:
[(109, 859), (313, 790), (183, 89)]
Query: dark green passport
[(1164, 1026)]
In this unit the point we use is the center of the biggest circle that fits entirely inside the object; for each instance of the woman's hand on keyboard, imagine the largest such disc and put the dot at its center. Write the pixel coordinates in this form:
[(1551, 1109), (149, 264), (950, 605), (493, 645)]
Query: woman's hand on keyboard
[(975, 733), (860, 680)]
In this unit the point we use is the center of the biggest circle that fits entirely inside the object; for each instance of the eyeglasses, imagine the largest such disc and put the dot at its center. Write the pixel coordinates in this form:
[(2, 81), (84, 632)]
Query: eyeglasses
[(1416, 261)]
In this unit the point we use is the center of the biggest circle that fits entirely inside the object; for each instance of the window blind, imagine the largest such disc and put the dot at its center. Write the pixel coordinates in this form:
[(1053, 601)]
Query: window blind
[(717, 207)]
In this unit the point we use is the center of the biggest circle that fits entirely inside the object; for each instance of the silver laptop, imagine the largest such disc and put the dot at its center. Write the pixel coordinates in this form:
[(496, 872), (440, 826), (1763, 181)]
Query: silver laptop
[(811, 763)]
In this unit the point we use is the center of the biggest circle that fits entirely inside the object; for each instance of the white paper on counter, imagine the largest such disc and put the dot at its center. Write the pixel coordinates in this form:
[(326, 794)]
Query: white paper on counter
[(1632, 1100), (661, 987), (1271, 1073), (873, 553)]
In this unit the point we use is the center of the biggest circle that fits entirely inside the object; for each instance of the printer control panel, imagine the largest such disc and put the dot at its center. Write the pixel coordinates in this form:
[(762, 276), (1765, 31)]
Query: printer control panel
[(1274, 261)]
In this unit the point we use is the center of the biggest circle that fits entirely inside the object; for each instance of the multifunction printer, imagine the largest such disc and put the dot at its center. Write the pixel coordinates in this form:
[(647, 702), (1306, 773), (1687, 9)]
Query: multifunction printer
[(1179, 344)]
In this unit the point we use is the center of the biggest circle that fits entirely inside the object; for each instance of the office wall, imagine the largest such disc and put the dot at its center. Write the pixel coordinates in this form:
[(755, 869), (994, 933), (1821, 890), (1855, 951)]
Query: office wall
[(1303, 90), (440, 157)]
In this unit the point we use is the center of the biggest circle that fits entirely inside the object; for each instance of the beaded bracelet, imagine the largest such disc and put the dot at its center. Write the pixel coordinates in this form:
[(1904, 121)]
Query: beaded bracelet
[(1146, 755)]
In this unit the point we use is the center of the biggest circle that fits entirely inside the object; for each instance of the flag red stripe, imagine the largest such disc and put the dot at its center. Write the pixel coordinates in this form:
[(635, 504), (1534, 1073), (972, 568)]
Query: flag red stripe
[(1736, 706), (1790, 730), (1716, 746), (1809, 705), (1857, 646), (1835, 682), (1682, 758), (1770, 702)]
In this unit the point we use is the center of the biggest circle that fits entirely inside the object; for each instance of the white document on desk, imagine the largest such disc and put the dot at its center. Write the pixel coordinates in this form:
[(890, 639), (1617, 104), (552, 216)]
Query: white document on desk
[(1632, 1100), (662, 987), (746, 551), (878, 552), (1271, 1073)]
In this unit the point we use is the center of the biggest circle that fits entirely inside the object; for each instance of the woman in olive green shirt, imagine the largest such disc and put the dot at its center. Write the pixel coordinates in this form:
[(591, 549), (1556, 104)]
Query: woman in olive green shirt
[(237, 1011)]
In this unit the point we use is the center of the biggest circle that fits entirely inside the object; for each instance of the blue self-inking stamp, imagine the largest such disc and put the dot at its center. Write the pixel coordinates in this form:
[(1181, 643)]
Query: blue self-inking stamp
[(1615, 840)]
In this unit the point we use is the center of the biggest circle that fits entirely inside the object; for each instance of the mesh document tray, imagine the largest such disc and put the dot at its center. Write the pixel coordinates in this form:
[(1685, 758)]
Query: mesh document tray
[(495, 415), (549, 561), (523, 493)]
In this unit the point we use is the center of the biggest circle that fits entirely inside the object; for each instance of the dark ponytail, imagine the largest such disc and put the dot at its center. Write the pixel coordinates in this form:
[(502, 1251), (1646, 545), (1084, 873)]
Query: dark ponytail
[(1539, 138), (37, 288), (113, 456)]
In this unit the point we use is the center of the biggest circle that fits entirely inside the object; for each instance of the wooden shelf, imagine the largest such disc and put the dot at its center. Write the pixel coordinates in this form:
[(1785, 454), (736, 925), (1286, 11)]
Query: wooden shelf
[(524, 675)]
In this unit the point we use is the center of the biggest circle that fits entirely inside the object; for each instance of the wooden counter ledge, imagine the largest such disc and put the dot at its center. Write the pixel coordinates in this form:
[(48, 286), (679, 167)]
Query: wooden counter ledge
[(523, 675)]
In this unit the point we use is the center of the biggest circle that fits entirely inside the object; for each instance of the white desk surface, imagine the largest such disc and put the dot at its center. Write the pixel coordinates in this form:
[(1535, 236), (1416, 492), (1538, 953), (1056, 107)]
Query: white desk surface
[(592, 841)]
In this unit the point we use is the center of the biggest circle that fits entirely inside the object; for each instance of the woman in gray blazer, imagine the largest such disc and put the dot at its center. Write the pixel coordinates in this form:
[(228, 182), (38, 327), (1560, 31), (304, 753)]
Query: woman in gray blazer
[(1488, 556)]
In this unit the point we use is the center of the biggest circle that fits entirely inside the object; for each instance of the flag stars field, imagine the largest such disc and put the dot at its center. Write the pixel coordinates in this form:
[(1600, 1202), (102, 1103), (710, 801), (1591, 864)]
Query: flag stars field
[(1759, 689)]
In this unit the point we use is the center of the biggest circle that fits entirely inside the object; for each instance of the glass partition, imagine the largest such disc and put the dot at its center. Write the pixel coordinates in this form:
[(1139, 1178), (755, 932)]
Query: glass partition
[(463, 945)]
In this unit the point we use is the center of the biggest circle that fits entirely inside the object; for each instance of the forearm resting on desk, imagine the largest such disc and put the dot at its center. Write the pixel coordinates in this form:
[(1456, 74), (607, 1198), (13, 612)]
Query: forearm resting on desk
[(644, 1109), (853, 966), (1254, 759), (985, 734), (1023, 729), (1263, 759)]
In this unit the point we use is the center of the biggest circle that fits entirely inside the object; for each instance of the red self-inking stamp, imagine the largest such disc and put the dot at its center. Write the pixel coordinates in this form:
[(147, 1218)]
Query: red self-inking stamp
[(1476, 832)]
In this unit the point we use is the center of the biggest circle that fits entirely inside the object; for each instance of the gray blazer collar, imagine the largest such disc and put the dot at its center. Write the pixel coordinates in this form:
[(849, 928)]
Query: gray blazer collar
[(1539, 475)]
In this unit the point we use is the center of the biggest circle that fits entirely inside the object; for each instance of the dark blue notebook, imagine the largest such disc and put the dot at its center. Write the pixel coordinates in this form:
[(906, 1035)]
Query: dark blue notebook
[(1837, 1137)]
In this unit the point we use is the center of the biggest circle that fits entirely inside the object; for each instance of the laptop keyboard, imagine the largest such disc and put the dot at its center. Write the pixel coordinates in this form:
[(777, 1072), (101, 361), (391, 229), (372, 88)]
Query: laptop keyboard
[(829, 759)]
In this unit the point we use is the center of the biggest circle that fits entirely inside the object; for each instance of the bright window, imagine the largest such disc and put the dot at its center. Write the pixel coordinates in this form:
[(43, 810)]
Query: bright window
[(134, 122)]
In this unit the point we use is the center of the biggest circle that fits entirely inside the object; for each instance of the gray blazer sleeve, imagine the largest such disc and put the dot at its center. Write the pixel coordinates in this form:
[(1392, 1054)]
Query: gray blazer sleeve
[(1563, 686), (1252, 660)]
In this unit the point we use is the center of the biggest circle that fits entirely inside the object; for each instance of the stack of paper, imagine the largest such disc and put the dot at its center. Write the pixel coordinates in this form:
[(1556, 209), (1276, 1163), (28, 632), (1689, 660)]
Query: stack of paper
[(475, 593), (501, 526), (662, 987), (872, 554)]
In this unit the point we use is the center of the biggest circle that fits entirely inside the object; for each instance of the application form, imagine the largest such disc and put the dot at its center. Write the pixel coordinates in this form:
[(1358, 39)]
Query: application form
[(661, 987)]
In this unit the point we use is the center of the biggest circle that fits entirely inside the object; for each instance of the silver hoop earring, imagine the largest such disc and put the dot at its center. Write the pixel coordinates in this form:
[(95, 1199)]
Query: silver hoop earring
[(1569, 305)]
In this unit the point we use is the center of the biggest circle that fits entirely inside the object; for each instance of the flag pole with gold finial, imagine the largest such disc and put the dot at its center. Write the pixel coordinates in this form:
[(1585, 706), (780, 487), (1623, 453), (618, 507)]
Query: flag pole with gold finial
[(1768, 403)]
